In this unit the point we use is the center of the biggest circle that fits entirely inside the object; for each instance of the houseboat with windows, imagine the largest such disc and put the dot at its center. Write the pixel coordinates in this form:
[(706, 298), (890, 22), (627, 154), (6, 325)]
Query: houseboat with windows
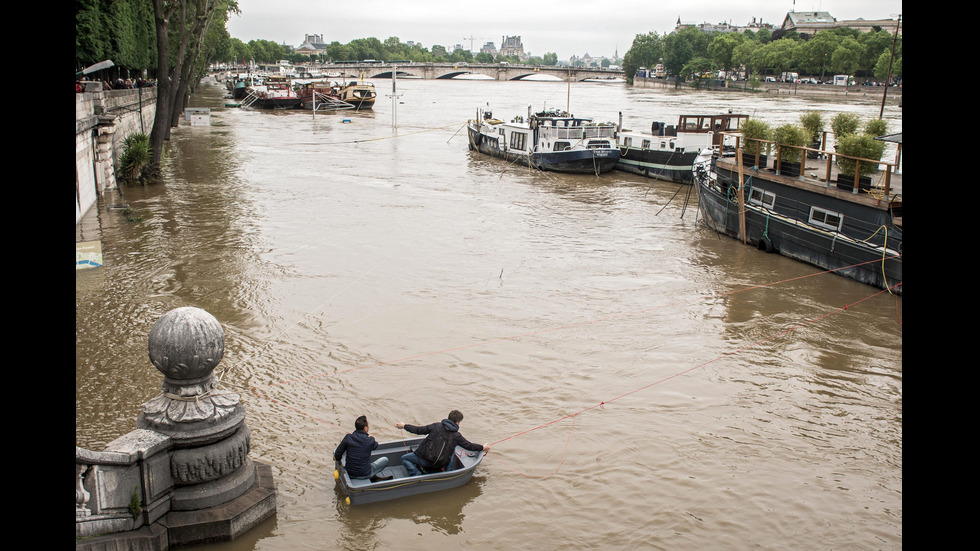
[(276, 92), (815, 214), (358, 93), (548, 140), (670, 152)]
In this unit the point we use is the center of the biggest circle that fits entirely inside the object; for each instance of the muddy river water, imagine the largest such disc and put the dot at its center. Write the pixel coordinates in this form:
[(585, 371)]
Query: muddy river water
[(644, 382)]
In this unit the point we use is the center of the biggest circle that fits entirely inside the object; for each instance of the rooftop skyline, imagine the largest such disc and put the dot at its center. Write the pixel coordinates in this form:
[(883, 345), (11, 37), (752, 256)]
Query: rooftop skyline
[(567, 28)]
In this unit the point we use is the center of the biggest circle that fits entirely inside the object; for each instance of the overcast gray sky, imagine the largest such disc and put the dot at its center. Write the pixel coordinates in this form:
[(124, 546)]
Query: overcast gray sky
[(566, 27)]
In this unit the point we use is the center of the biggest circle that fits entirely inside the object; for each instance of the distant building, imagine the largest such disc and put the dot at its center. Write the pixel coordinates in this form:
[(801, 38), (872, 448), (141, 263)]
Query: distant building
[(511, 45), (723, 27), (489, 48), (812, 22), (313, 44)]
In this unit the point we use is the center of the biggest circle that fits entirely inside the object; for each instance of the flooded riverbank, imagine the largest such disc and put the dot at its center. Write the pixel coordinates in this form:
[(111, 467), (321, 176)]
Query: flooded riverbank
[(645, 382)]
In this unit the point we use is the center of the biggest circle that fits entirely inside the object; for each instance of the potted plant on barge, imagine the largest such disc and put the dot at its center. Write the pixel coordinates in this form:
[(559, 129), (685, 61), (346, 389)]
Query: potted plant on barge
[(754, 152), (789, 157), (844, 124), (812, 122), (857, 160), (876, 127)]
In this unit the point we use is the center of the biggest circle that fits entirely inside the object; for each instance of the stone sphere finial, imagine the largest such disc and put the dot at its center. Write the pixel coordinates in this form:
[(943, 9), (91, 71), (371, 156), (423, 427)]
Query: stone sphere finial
[(186, 344)]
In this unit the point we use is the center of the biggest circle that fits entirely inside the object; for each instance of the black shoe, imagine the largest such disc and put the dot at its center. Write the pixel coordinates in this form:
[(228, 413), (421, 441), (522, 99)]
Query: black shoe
[(380, 478)]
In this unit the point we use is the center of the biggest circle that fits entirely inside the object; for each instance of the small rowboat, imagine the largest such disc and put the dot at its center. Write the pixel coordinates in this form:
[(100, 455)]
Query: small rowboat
[(359, 491)]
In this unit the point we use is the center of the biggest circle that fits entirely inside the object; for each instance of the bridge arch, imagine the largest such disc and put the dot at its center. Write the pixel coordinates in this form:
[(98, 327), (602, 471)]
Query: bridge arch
[(447, 71)]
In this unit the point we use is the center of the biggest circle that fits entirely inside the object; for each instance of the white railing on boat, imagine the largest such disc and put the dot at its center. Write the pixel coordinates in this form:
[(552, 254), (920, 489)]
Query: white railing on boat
[(577, 132)]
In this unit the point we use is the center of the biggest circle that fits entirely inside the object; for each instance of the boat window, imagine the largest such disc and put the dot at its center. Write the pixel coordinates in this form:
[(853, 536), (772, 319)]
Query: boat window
[(562, 146), (762, 197), (627, 141), (518, 140), (825, 218), (646, 144)]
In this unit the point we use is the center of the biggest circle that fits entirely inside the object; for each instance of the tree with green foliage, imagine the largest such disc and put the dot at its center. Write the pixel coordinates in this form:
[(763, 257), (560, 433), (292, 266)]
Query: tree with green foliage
[(679, 49), (816, 53), (873, 43), (646, 51), (460, 55), (847, 57), (118, 30), (722, 51), (888, 68), (763, 52), (779, 55), (746, 55)]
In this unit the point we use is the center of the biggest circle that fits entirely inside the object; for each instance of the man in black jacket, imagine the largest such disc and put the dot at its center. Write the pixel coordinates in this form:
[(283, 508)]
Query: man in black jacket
[(359, 446), (436, 452)]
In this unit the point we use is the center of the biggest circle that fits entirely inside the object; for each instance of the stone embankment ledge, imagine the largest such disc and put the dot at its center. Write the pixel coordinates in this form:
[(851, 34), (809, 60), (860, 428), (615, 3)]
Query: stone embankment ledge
[(780, 88)]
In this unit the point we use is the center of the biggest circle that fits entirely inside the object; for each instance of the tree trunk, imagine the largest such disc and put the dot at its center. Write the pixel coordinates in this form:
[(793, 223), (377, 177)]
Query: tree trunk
[(172, 81)]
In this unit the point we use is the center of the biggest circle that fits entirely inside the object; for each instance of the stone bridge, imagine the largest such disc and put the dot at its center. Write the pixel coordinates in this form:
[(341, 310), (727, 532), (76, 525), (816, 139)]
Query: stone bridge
[(496, 71)]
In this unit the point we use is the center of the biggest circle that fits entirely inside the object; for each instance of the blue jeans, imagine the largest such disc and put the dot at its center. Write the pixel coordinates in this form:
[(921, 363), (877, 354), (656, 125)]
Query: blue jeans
[(377, 466), (414, 464)]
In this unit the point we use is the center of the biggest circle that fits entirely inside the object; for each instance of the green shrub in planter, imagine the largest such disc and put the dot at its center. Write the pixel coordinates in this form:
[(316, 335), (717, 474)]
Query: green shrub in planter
[(812, 122), (844, 124), (790, 134), (862, 146), (876, 127), (757, 129)]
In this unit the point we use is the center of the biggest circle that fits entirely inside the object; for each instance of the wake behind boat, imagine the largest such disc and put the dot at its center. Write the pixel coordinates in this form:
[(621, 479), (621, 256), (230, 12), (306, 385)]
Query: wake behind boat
[(548, 140)]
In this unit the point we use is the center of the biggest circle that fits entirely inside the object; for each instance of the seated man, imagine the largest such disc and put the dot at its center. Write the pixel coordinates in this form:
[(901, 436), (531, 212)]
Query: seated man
[(359, 446), (436, 451)]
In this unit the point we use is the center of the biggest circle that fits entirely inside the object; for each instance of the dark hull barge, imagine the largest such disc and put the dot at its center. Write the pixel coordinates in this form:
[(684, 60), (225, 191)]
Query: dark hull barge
[(359, 491), (812, 214)]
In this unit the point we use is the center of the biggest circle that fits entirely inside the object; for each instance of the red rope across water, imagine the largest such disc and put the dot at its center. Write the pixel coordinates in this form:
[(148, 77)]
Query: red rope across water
[(256, 389)]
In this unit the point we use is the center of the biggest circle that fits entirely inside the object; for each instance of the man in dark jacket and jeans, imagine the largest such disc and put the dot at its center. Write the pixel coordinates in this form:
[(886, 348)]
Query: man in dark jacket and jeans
[(359, 446), (436, 451)]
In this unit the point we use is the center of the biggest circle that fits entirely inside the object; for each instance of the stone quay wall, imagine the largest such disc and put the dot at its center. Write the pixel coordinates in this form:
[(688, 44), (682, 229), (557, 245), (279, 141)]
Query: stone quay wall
[(894, 93), (103, 120)]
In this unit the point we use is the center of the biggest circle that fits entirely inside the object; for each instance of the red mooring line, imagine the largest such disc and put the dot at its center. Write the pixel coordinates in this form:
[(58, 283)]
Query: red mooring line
[(255, 389)]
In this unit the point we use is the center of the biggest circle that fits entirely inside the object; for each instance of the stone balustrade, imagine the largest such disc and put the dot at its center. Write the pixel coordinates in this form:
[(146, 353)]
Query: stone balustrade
[(184, 476)]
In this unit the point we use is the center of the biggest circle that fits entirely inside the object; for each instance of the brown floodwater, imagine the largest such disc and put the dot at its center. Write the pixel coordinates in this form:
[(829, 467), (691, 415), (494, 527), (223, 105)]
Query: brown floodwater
[(645, 383)]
